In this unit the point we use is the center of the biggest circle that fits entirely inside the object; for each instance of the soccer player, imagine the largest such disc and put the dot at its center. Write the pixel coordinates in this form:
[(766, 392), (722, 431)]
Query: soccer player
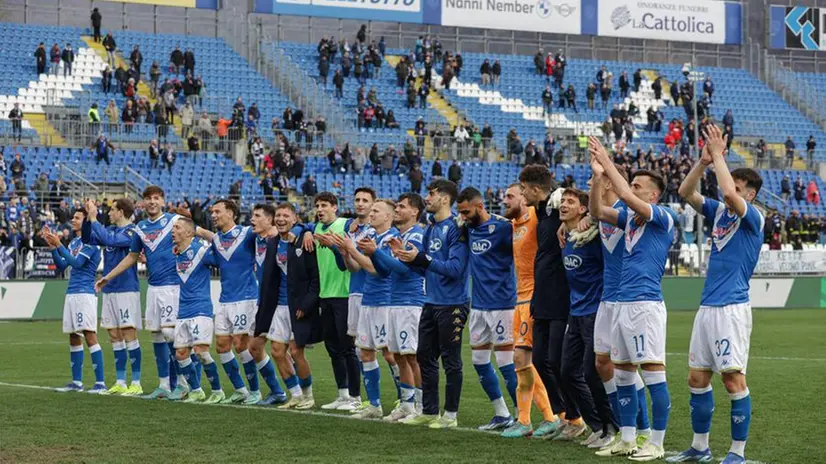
[(582, 257), (406, 300), (334, 293), (722, 326), (290, 283), (446, 306), (234, 248), (121, 311), (194, 326), (550, 303), (638, 336), (613, 253), (80, 306), (263, 225), (153, 237), (357, 229), (529, 385), (493, 300), (372, 326)]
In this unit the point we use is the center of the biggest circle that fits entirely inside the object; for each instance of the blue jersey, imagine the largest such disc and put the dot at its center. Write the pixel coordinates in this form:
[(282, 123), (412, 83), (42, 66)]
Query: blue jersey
[(260, 256), (646, 250), (235, 253), (735, 247), (446, 279), (492, 271), (116, 242), (192, 266), (84, 260), (281, 259), (613, 254), (154, 238), (407, 283), (583, 268), (377, 288), (362, 231)]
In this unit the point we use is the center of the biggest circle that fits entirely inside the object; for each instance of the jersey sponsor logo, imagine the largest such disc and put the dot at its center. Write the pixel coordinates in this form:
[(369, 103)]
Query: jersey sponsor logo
[(153, 238), (435, 245), (634, 232), (610, 236), (572, 262), (725, 227), (260, 251), (480, 246), (519, 233), (187, 262)]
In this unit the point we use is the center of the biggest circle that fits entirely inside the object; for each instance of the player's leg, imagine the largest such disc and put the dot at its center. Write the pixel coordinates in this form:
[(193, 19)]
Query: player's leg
[(481, 343), (201, 330), (241, 342), (287, 371), (336, 351), (351, 361), (395, 374), (451, 324), (76, 362), (602, 405), (502, 322), (109, 320), (735, 383), (408, 349), (160, 349), (372, 333), (88, 307), (427, 359), (573, 382), (169, 299), (183, 341), (650, 322), (187, 369), (264, 364), (129, 324), (304, 373), (734, 334), (224, 326)]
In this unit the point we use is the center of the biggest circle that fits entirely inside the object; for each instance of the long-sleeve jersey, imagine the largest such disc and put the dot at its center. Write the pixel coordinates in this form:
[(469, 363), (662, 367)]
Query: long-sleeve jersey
[(84, 260), (192, 271), (406, 282), (492, 270), (116, 242), (446, 279), (154, 238)]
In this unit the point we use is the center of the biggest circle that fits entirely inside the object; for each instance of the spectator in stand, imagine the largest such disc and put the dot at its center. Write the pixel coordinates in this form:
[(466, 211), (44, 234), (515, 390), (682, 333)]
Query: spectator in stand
[(708, 88), (549, 68), (416, 177), (251, 126), (387, 160), (169, 100), (539, 62), (637, 79), (136, 59), (154, 154), (168, 155), (390, 121), (547, 101), (624, 85), (484, 71), (728, 119), (309, 187), (785, 188), (129, 116), (101, 149), (41, 185), (570, 97), (176, 60), (188, 87), (110, 46), (16, 117), (454, 173), (605, 94), (811, 145), (591, 95), (68, 58), (496, 72), (812, 193), (106, 80), (287, 119), (657, 88), (423, 92), (798, 190), (338, 82), (359, 161), (323, 69), (187, 119), (790, 147), (189, 62), (257, 152), (154, 79), (96, 22), (54, 58), (222, 130), (112, 115), (40, 58), (121, 79)]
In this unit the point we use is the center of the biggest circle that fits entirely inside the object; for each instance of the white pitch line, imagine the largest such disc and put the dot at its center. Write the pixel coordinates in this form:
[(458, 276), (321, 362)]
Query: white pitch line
[(765, 358), (293, 411)]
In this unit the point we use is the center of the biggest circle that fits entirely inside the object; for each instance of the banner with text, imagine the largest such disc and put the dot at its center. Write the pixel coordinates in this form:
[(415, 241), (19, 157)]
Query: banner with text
[(792, 262), (797, 27), (552, 16), (404, 11), (206, 4), (709, 21)]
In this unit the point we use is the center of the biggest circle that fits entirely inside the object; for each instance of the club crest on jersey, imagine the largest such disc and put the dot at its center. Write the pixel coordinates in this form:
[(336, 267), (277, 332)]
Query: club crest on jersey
[(298, 252), (235, 232), (163, 222), (572, 262), (480, 246), (444, 229), (190, 254), (491, 228)]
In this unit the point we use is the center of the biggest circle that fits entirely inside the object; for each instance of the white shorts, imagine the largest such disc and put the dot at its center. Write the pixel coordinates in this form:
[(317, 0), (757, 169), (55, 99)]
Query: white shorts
[(80, 313), (353, 307), (372, 328), (491, 327), (281, 328), (121, 311), (720, 338), (235, 318), (638, 335), (403, 329), (162, 306), (603, 326), (193, 331)]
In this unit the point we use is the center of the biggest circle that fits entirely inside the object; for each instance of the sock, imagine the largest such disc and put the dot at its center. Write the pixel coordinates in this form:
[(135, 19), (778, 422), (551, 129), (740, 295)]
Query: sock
[(504, 359), (267, 370), (292, 385), (211, 371), (611, 390), (394, 372), (76, 362), (306, 385), (188, 369), (119, 349), (408, 394), (345, 392), (232, 369), (371, 382), (660, 404), (701, 405), (96, 355), (250, 370), (643, 425), (540, 397), (628, 399), (524, 393), (740, 420), (135, 356), (418, 394), (161, 350), (173, 366), (487, 376), (196, 363)]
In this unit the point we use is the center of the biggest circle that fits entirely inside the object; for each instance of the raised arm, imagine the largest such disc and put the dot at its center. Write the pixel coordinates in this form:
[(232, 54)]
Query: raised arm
[(688, 189), (111, 238), (716, 143), (621, 187), (127, 262), (598, 210), (75, 262), (205, 234)]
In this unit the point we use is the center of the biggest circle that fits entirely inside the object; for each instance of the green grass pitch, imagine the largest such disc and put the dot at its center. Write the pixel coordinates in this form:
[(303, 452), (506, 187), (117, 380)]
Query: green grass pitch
[(786, 370)]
